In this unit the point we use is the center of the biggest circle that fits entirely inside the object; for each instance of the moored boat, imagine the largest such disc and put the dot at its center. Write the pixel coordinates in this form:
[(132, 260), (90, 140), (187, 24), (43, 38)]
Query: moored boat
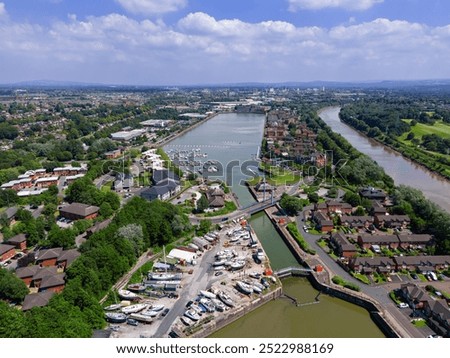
[(134, 308), (226, 299), (136, 287), (192, 315), (115, 317), (244, 287), (113, 307), (207, 294), (140, 317), (127, 295)]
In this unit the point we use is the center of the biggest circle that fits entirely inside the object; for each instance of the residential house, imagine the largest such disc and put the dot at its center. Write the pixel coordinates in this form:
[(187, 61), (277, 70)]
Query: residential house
[(367, 265), (54, 283), (215, 197), (392, 221), (48, 257), (46, 182), (97, 227), (414, 295), (163, 174), (338, 207), (162, 191), (323, 222), (66, 258), (333, 206), (65, 171), (10, 214), (7, 251), (415, 241), (19, 241), (366, 241), (39, 299), (27, 273), (372, 193), (123, 182), (342, 246), (357, 222), (113, 154), (377, 208), (77, 211), (438, 316), (422, 263), (41, 274)]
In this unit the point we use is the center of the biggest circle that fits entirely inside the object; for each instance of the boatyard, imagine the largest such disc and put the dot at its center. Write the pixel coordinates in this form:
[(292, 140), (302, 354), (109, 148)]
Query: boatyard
[(197, 288)]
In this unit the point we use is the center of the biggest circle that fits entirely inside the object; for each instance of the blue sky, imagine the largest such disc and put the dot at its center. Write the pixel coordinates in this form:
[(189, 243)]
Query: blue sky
[(158, 42)]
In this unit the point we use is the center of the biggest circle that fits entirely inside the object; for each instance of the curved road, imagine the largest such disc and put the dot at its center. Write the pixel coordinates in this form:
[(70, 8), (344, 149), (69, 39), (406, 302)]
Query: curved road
[(380, 292)]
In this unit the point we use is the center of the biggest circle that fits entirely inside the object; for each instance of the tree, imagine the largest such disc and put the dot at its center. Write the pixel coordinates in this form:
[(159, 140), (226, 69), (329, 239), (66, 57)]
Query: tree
[(12, 288), (410, 136), (352, 198), (134, 234), (291, 204), (58, 237), (202, 204), (105, 210), (359, 211), (12, 322), (203, 227), (313, 197)]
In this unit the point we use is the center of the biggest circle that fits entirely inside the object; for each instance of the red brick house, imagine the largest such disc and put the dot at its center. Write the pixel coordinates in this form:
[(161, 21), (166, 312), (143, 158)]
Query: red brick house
[(42, 273), (342, 245), (392, 221), (415, 241), (66, 258), (26, 274), (357, 222), (77, 211), (366, 241), (368, 265), (422, 263), (19, 241), (338, 207), (323, 222), (7, 251), (54, 283), (48, 257), (113, 154), (46, 182)]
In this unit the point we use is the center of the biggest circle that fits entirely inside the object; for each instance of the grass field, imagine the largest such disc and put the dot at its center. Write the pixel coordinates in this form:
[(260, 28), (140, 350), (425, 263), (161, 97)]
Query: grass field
[(440, 128)]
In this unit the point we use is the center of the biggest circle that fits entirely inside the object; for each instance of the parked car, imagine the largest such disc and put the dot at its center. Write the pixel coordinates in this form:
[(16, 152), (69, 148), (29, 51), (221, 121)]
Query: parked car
[(165, 312), (218, 273), (132, 322), (402, 305)]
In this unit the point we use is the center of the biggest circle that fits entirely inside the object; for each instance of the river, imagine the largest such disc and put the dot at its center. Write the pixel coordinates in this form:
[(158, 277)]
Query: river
[(402, 170)]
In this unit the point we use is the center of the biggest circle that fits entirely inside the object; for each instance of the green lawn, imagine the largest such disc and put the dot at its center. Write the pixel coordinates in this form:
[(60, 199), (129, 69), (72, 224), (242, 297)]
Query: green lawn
[(419, 322), (138, 276), (440, 128), (361, 277), (107, 187), (228, 208)]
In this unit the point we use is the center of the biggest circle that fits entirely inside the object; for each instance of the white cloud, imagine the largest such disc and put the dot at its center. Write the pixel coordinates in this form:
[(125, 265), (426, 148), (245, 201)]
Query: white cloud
[(359, 5), (152, 7), (201, 49), (2, 10)]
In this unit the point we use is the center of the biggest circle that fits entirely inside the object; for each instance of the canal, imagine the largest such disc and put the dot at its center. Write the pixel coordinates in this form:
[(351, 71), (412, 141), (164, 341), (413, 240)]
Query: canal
[(237, 137), (231, 139), (331, 318), (402, 170)]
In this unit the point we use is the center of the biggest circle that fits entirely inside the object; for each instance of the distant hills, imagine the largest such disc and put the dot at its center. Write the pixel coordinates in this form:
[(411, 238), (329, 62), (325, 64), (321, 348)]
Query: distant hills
[(387, 84)]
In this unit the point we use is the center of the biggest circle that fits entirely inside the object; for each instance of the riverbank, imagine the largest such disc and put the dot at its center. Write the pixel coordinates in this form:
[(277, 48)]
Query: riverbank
[(171, 138), (401, 169)]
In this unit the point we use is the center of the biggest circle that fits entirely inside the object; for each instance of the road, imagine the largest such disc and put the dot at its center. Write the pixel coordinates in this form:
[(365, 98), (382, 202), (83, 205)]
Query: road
[(200, 280), (380, 292)]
